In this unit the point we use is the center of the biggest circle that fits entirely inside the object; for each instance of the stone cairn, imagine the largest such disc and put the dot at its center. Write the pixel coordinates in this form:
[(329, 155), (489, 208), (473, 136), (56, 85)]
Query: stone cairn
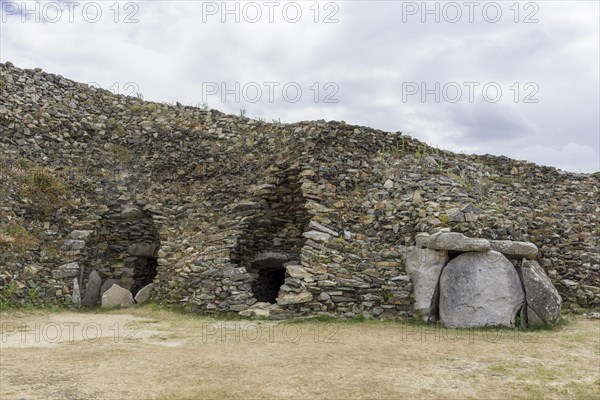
[(228, 214)]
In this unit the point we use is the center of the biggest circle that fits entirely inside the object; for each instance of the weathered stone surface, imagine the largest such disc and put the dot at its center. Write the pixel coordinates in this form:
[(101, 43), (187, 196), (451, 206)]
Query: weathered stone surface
[(542, 297), (117, 296), (452, 241), (107, 285), (532, 320), (513, 249), (69, 270), (270, 259), (73, 245), (147, 250), (316, 235), (297, 271), (293, 298), (79, 235), (261, 309), (76, 296), (424, 267), (91, 295), (480, 289), (144, 294), (129, 212), (322, 228)]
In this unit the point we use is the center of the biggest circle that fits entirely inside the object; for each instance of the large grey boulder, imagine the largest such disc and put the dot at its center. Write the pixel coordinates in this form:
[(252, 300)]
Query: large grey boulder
[(117, 296), (107, 285), (424, 267), (480, 289), (91, 295), (451, 241), (517, 250), (543, 300)]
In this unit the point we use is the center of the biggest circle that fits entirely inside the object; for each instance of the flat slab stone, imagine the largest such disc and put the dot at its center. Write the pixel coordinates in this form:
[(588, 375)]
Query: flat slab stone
[(79, 235), (541, 295), (295, 298), (69, 270), (147, 250), (424, 267), (298, 271), (144, 294), (517, 250), (130, 211), (322, 228), (317, 236), (452, 241), (269, 259), (117, 296), (480, 289)]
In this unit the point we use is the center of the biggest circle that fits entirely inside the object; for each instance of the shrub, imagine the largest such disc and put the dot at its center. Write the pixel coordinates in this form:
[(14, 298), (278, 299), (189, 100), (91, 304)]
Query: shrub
[(121, 153), (44, 190), (14, 235)]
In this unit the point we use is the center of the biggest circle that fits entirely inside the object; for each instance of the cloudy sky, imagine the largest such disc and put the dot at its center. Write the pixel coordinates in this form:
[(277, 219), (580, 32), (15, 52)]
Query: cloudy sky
[(519, 79)]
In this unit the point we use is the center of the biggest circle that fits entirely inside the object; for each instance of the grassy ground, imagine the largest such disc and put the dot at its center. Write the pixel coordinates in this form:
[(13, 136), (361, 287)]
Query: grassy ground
[(151, 353)]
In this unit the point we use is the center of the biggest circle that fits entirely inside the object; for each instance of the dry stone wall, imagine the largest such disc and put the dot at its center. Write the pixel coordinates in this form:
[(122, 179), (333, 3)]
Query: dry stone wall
[(219, 208)]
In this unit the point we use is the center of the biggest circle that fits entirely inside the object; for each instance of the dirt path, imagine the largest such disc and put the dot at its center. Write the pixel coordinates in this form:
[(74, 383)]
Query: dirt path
[(158, 354)]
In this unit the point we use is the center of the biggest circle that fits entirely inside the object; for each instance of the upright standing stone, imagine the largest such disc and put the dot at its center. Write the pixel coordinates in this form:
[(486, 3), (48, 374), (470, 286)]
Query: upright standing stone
[(76, 292), (543, 300), (424, 267), (480, 289), (144, 294), (91, 295)]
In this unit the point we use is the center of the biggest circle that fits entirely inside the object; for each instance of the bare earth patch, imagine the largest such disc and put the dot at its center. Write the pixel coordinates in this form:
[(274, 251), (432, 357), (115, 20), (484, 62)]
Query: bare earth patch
[(149, 354)]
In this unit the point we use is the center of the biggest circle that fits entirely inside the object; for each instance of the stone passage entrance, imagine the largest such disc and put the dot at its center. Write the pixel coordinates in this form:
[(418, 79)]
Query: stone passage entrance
[(126, 248), (274, 236), (143, 261), (270, 275)]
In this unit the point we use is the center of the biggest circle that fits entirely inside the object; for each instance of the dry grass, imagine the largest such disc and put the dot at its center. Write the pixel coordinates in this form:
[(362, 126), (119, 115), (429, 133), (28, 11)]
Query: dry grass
[(175, 356)]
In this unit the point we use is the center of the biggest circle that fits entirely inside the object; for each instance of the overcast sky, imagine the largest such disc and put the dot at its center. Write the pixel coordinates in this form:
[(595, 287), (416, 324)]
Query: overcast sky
[(504, 78)]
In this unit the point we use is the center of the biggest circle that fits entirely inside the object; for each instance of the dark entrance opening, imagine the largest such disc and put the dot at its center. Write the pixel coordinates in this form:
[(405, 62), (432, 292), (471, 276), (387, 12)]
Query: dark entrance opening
[(144, 271), (267, 284), (269, 274)]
